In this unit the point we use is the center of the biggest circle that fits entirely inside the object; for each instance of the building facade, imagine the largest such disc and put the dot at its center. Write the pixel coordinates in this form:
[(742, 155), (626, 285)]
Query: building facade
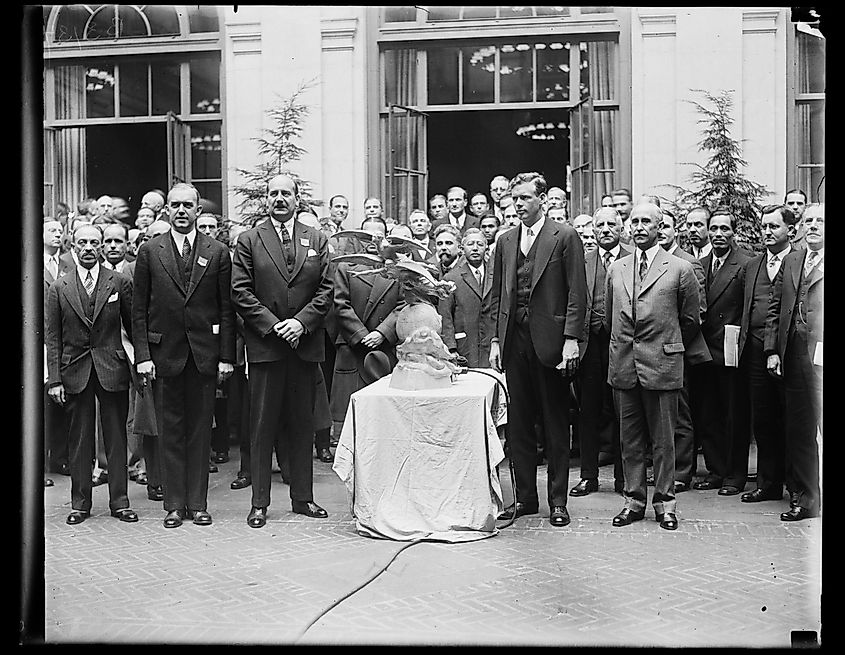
[(408, 101)]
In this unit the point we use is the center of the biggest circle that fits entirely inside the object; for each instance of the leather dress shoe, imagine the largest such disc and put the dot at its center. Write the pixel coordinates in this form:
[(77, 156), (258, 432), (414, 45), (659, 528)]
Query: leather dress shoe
[(212, 467), (48, 482), (793, 499), (758, 495), (257, 517), (521, 509), (141, 478), (310, 508), (76, 517), (798, 513), (220, 458), (729, 490), (126, 515), (628, 516), (174, 518), (584, 487), (155, 493), (240, 482), (680, 487), (201, 517), (325, 455), (704, 485), (667, 521), (102, 478), (559, 517)]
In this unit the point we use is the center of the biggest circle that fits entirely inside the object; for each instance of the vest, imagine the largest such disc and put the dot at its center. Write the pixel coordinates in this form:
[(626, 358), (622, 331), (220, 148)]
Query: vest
[(760, 303), (524, 274), (184, 270), (88, 302), (598, 292), (799, 327)]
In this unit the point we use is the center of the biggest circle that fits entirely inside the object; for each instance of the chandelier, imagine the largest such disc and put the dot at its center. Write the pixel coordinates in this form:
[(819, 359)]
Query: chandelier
[(541, 131)]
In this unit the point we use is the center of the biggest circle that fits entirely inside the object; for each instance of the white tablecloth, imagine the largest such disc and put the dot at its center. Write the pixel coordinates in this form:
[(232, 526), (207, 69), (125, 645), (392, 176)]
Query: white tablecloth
[(422, 464)]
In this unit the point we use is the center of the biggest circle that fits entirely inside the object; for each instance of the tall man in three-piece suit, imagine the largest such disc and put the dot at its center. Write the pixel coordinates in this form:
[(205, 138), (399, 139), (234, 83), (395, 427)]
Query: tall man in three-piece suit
[(282, 289), (184, 337), (794, 349), (652, 313), (86, 362), (538, 306), (719, 393)]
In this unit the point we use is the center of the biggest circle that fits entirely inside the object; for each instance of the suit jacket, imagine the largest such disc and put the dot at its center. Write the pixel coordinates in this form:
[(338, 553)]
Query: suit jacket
[(591, 264), (470, 221), (754, 267), (724, 299), (171, 319), (364, 303), (75, 343), (697, 351), (649, 350), (264, 292), (65, 267), (557, 304), (462, 315), (782, 306)]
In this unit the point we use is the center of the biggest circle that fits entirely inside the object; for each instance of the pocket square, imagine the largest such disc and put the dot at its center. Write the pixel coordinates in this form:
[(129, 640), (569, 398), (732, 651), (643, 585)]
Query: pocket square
[(312, 252), (113, 297)]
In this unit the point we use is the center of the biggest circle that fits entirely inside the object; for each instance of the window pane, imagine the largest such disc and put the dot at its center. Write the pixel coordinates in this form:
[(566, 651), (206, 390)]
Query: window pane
[(99, 91), (812, 179), (811, 61), (596, 10), (552, 71), (202, 18), (444, 13), (598, 70), (70, 92), (130, 22), (206, 155), (810, 118), (70, 24), (165, 78), (212, 191), (515, 12), (102, 25), (163, 20), (470, 13), (553, 11), (443, 76), (604, 130), (133, 89), (400, 14), (205, 86), (400, 77), (479, 69), (516, 73)]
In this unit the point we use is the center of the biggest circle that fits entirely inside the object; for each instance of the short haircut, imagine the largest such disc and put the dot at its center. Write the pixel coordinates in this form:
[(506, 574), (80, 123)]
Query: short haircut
[(418, 211), (650, 198), (80, 226), (498, 178), (435, 197), (457, 188), (490, 215), (700, 208), (482, 194), (723, 210), (787, 215), (372, 198), (374, 219), (287, 175), (185, 185), (124, 226), (336, 196), (601, 209), (667, 213), (473, 232), (447, 227), (786, 195), (621, 192), (535, 179)]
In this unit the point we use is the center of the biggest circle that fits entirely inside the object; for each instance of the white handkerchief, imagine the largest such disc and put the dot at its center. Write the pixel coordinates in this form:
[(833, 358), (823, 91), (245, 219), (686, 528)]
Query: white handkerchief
[(305, 242), (113, 297), (215, 329), (817, 356), (732, 345), (460, 335), (202, 261), (312, 252)]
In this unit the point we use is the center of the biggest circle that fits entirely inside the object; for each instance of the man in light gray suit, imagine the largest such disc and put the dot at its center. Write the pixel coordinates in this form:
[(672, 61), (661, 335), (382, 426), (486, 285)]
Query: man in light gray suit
[(652, 313)]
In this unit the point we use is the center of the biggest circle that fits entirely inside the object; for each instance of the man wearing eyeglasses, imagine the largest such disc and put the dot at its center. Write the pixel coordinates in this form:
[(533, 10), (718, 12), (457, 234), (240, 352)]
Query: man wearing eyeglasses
[(793, 346)]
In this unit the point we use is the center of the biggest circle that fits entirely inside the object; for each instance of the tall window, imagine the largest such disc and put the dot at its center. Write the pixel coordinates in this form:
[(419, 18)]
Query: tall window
[(809, 113)]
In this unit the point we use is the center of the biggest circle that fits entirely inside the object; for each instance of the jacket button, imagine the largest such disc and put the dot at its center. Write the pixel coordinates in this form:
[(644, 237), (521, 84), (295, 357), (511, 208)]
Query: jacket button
[(636, 340)]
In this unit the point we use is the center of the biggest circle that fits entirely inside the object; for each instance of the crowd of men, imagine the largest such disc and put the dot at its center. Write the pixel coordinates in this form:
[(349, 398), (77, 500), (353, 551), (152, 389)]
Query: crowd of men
[(166, 342)]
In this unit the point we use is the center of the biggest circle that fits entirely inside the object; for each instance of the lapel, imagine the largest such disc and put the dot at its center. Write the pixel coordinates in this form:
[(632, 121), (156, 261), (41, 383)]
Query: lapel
[(469, 279), (723, 276), (300, 231), (592, 263), (378, 288), (273, 244), (657, 268), (751, 280), (509, 243), (71, 291), (488, 279), (168, 260), (202, 246), (545, 243), (627, 265), (102, 291)]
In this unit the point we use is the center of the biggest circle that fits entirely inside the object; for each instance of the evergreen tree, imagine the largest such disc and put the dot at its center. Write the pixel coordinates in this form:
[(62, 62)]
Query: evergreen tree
[(721, 180), (277, 149)]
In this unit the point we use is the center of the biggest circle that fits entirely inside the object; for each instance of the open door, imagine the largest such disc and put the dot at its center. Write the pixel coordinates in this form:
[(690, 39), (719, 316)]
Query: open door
[(178, 150), (405, 161), (580, 157), (50, 173)]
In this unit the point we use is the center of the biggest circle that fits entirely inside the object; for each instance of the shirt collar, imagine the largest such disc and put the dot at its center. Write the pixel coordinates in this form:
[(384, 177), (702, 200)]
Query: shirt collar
[(779, 255), (277, 225), (613, 251), (705, 250), (650, 254), (83, 272), (819, 252), (535, 229), (179, 238)]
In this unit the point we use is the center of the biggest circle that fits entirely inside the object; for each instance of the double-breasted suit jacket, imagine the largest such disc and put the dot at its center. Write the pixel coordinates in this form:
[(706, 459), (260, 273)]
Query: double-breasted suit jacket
[(465, 328), (725, 292)]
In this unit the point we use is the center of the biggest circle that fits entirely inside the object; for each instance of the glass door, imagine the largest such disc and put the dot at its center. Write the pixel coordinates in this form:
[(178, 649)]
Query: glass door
[(406, 165), (580, 159), (178, 150)]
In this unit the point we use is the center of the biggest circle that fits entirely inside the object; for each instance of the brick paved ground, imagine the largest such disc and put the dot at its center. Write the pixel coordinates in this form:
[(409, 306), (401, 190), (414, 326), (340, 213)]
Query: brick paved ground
[(732, 575)]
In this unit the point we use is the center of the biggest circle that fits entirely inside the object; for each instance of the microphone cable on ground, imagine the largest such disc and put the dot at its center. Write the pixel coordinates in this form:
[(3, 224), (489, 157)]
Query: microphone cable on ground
[(356, 589)]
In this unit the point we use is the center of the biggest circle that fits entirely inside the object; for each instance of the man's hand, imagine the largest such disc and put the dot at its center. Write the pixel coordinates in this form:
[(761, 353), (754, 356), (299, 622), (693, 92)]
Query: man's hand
[(570, 357), (773, 366), (495, 358), (290, 330), (147, 371), (373, 340), (57, 393), (224, 371)]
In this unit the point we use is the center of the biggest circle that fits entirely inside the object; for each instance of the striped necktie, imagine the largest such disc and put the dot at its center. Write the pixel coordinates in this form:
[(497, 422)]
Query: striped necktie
[(89, 283)]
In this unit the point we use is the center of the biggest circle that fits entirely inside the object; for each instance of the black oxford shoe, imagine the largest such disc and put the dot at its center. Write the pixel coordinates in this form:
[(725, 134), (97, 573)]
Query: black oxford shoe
[(559, 517), (155, 493), (584, 487), (201, 517), (325, 455), (798, 513), (240, 482), (518, 509), (212, 467), (174, 518), (759, 495), (628, 516), (310, 508), (729, 490), (126, 515), (667, 521), (680, 487), (76, 517), (257, 517), (705, 485), (220, 458)]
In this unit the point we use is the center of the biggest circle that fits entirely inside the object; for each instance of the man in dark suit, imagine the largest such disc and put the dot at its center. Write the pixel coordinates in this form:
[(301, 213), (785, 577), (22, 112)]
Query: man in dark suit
[(538, 306), (696, 353), (281, 288), (420, 229), (456, 200), (447, 248), (652, 312), (794, 350), (719, 390), (466, 330), (184, 337), (766, 392), (86, 362), (597, 421), (438, 212)]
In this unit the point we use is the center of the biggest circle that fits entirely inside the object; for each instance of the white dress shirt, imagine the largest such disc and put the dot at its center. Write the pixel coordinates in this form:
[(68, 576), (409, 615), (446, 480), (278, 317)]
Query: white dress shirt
[(614, 253), (51, 263), (82, 272), (819, 258), (721, 261), (179, 239), (277, 225), (774, 260), (649, 255), (525, 242), (458, 221), (478, 273), (698, 254)]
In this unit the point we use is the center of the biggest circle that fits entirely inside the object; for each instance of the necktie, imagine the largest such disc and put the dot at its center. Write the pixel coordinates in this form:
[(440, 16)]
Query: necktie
[(286, 246), (529, 239), (89, 283), (811, 262), (643, 266), (717, 264), (773, 267), (53, 267), (186, 250), (478, 275), (607, 257)]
